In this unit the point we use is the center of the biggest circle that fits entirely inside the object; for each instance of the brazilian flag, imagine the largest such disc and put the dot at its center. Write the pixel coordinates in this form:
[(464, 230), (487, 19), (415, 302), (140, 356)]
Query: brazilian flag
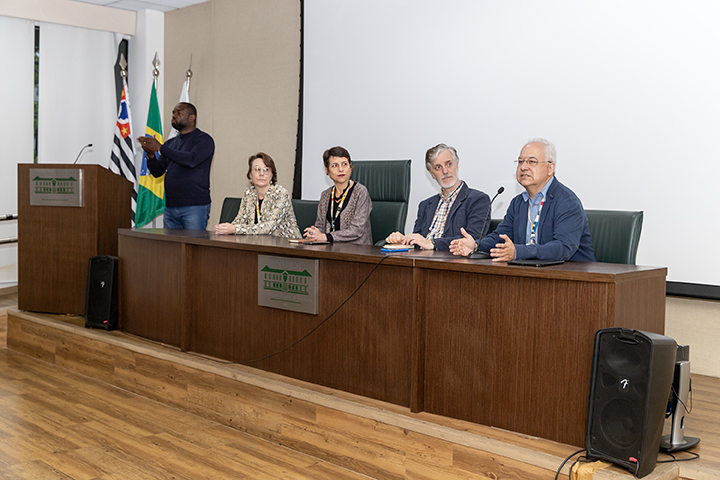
[(151, 190)]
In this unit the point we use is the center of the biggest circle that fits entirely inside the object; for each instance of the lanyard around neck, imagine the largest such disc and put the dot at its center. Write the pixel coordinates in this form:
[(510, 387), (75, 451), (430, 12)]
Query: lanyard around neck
[(533, 224), (338, 206)]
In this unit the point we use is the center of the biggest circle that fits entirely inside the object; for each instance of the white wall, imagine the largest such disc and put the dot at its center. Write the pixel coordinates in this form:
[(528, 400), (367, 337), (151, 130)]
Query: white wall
[(628, 92), (76, 104), (17, 50), (77, 90)]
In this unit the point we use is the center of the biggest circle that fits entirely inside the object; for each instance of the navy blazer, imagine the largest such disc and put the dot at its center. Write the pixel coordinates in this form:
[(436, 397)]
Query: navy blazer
[(469, 211), (563, 231)]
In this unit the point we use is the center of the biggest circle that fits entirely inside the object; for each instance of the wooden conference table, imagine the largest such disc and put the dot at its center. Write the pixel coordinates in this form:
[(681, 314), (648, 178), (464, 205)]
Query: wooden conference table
[(497, 345)]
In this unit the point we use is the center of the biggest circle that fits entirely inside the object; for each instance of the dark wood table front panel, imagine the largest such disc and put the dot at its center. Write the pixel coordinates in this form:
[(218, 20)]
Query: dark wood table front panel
[(499, 345), (362, 349)]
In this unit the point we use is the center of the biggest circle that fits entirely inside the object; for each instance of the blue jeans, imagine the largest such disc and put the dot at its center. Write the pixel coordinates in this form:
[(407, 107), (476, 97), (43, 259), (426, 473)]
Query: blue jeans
[(194, 217)]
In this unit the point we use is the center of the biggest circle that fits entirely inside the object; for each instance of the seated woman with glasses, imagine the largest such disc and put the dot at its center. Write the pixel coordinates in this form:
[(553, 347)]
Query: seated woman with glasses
[(266, 208), (344, 210)]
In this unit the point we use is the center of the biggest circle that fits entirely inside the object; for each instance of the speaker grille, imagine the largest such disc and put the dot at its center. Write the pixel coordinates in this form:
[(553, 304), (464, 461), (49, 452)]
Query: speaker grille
[(621, 424)]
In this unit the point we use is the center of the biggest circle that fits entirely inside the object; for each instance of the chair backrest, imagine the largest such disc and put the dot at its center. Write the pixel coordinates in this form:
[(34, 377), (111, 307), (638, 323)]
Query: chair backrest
[(615, 235), (230, 209), (388, 183), (305, 212)]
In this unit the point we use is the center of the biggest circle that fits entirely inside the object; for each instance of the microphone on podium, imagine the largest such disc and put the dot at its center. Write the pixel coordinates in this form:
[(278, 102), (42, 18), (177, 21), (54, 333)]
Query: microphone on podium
[(81, 151), (481, 255)]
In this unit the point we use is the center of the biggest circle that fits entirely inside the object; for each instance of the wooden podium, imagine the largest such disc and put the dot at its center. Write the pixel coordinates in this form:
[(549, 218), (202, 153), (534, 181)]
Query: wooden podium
[(55, 242)]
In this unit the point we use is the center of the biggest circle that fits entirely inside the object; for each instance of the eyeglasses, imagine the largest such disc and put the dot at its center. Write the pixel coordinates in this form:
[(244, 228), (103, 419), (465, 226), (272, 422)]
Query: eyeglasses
[(439, 166), (260, 170), (531, 162)]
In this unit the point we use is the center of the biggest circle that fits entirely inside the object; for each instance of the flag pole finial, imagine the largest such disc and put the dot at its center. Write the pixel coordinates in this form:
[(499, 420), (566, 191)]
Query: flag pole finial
[(189, 73), (123, 66), (156, 65)]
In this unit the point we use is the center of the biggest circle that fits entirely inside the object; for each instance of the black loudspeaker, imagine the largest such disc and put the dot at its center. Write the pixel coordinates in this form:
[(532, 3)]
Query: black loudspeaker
[(632, 374), (101, 300)]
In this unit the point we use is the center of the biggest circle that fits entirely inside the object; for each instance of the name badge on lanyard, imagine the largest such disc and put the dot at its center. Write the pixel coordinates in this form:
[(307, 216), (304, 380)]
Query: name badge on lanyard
[(533, 223)]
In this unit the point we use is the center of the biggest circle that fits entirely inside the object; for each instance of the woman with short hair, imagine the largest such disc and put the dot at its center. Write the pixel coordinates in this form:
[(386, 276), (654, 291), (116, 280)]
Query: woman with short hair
[(344, 209)]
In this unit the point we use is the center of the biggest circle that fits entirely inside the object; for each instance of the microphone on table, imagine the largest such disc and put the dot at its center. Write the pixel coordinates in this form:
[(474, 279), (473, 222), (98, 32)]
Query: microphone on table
[(481, 255), (81, 151)]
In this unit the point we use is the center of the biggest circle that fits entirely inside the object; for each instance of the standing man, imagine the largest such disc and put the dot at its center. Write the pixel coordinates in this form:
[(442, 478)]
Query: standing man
[(186, 159), (546, 221), (441, 217)]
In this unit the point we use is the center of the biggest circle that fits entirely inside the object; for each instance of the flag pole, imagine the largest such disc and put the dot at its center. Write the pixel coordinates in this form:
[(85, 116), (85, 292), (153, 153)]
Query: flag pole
[(155, 75), (122, 154), (188, 76)]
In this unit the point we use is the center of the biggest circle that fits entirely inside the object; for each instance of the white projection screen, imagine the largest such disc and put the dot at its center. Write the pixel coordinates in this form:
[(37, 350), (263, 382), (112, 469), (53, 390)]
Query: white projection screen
[(627, 91)]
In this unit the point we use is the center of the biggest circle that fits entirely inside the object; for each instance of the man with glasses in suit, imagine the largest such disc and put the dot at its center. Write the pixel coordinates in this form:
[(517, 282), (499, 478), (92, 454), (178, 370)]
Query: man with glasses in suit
[(546, 221)]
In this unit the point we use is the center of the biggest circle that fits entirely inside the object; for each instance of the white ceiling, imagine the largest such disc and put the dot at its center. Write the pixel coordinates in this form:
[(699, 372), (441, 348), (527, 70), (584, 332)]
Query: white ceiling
[(135, 5)]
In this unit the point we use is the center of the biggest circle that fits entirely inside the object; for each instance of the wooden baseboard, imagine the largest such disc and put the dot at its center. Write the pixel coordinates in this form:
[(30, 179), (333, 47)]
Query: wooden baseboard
[(373, 438), (8, 290)]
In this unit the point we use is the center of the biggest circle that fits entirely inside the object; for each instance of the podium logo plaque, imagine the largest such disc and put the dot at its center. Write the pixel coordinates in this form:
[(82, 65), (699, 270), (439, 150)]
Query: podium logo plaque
[(288, 283), (56, 187)]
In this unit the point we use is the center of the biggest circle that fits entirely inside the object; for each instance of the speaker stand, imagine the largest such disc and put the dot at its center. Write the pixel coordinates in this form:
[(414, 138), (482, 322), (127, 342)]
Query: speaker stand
[(676, 440)]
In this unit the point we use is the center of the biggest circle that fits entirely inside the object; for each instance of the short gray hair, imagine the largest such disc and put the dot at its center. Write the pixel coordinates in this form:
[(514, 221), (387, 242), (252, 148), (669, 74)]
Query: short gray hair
[(550, 152), (433, 153)]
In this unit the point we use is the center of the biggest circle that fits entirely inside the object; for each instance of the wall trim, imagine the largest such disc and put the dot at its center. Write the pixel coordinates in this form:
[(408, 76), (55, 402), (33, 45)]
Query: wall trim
[(693, 290), (75, 14)]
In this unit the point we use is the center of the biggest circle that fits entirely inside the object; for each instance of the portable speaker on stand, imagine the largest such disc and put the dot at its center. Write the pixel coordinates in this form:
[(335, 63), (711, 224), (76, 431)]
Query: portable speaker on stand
[(678, 405), (101, 304), (632, 374)]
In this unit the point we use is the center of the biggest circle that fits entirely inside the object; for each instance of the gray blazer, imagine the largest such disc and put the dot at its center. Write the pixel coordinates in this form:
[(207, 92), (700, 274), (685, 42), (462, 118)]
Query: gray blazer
[(354, 219)]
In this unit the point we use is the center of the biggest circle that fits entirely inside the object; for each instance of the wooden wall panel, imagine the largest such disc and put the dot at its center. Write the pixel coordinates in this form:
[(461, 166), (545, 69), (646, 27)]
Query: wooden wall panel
[(506, 350), (151, 289), (223, 283), (641, 304), (362, 349), (498, 345)]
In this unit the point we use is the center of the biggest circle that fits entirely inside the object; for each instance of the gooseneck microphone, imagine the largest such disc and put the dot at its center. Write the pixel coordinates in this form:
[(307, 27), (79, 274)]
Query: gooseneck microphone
[(482, 255), (82, 150)]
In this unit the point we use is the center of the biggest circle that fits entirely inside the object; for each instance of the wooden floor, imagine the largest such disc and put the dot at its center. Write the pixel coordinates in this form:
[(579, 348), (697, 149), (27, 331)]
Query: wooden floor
[(55, 424), (58, 424)]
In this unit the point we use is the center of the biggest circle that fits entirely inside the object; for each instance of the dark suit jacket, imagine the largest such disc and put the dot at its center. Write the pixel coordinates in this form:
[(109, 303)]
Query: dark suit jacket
[(564, 233), (469, 211)]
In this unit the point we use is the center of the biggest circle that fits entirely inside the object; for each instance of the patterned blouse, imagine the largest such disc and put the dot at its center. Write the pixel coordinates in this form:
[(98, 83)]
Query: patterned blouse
[(354, 218), (277, 217)]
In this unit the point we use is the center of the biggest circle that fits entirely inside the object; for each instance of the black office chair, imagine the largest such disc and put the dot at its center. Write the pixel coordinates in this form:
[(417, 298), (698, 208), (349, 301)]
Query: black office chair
[(615, 235), (305, 212), (230, 209)]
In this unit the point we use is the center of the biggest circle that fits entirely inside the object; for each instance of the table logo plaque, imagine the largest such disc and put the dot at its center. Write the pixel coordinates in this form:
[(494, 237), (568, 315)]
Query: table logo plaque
[(56, 187), (288, 283)]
